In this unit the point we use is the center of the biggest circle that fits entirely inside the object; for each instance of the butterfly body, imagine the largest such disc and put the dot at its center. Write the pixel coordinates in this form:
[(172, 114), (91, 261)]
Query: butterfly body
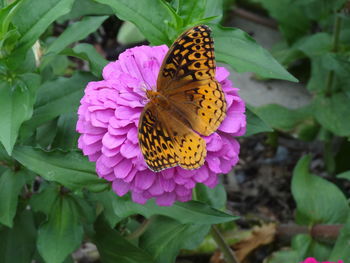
[(188, 101), (158, 99)]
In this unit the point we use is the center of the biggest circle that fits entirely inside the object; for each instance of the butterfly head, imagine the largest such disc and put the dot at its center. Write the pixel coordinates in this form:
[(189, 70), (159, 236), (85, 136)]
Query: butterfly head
[(158, 99), (151, 94), (143, 90)]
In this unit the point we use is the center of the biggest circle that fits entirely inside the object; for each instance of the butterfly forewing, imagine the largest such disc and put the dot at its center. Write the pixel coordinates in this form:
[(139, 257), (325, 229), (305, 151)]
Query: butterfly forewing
[(190, 58), (187, 79)]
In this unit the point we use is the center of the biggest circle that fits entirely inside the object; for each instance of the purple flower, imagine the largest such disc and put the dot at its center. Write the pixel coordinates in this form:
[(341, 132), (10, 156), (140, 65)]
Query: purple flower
[(108, 120), (313, 260)]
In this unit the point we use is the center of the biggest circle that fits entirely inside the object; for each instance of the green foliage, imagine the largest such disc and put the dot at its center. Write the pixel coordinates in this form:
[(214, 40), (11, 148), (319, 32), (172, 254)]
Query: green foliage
[(152, 18), (165, 237), (247, 54), (282, 118), (286, 20), (17, 244), (51, 198), (11, 184), (113, 247), (341, 247), (214, 197), (76, 32), (70, 169), (326, 118), (330, 113), (53, 94), (62, 233), (32, 19), (318, 200), (17, 97)]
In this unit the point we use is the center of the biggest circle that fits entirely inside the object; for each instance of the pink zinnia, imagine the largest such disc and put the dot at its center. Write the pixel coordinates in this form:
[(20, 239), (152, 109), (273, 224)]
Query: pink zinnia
[(108, 123), (313, 260)]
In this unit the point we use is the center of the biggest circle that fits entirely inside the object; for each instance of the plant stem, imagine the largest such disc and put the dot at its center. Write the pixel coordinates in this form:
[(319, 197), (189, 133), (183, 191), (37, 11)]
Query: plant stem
[(335, 44), (141, 229), (320, 232), (224, 247)]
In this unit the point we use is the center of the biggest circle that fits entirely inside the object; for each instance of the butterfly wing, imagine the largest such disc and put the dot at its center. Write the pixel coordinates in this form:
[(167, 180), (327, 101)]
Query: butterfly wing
[(187, 79), (167, 142)]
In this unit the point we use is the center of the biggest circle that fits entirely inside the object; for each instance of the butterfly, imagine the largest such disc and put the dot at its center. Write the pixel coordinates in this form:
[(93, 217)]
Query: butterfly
[(188, 102)]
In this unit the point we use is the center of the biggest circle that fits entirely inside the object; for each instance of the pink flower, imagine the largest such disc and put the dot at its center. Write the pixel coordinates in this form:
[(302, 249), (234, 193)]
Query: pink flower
[(313, 260), (108, 120)]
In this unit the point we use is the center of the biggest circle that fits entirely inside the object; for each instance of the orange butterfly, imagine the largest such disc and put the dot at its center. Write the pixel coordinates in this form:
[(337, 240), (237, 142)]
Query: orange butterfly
[(188, 100)]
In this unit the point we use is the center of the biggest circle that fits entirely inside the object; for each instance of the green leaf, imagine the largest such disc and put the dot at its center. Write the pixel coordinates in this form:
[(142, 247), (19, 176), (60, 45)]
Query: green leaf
[(152, 18), (282, 118), (129, 34), (59, 64), (285, 54), (34, 16), (165, 237), (191, 10), (322, 65), (76, 32), (321, 249), (319, 9), (318, 200), (89, 53), (62, 233), (70, 169), (215, 197), (6, 15), (87, 213), (285, 256), (43, 201), (189, 212), (66, 136), (4, 156), (317, 81), (344, 175), (8, 42), (302, 243), (255, 124), (314, 45), (58, 97), (333, 113), (115, 248), (86, 7), (45, 134), (287, 20), (214, 9), (11, 184), (341, 249), (18, 244), (16, 105), (8, 34), (105, 202), (246, 55), (339, 63)]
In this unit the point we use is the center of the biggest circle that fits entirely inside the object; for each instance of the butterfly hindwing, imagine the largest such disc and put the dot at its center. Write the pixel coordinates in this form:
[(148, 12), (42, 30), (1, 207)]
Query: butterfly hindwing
[(203, 104), (166, 142)]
